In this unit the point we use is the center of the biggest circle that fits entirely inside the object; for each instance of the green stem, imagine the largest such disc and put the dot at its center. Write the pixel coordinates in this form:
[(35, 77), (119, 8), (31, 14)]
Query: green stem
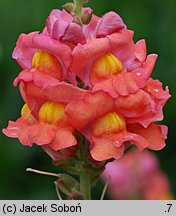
[(84, 173), (78, 7), (85, 183)]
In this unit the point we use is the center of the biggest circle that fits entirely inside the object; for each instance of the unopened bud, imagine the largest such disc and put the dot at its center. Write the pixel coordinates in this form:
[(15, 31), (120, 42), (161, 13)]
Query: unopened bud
[(77, 20), (69, 7), (86, 17)]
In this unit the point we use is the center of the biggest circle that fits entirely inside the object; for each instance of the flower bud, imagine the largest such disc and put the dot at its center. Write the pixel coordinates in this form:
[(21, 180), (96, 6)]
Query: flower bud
[(86, 17), (69, 7), (77, 20)]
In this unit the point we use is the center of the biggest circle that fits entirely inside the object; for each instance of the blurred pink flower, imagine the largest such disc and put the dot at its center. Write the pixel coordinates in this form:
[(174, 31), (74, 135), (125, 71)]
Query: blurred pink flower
[(136, 176)]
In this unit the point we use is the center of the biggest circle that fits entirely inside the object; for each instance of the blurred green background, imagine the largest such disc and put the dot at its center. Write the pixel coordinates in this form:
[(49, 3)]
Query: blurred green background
[(152, 20)]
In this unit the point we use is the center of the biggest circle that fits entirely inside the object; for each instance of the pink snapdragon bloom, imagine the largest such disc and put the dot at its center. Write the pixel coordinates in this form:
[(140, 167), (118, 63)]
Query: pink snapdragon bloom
[(50, 130), (110, 60), (106, 51), (110, 124), (121, 102), (34, 48), (136, 176), (109, 63), (43, 120)]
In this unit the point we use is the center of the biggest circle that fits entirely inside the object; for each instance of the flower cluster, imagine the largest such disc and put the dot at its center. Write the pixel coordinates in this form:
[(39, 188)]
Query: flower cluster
[(137, 176), (92, 79)]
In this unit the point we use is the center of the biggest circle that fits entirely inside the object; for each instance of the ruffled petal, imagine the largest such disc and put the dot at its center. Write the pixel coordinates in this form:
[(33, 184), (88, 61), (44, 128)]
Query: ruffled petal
[(146, 119), (59, 29), (19, 129), (154, 87), (134, 105), (130, 82), (103, 149), (61, 92), (28, 44), (138, 56), (154, 135)]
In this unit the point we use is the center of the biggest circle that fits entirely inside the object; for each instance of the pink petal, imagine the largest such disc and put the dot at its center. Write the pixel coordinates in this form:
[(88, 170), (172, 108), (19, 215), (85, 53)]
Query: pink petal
[(60, 92), (41, 133), (54, 15), (28, 44), (130, 82), (22, 57), (68, 32), (104, 149), (146, 69), (106, 86), (109, 23), (124, 84), (154, 115), (82, 112), (154, 135), (138, 56), (74, 34), (122, 45), (20, 130), (134, 105), (140, 50), (25, 75), (59, 29), (154, 87), (63, 139)]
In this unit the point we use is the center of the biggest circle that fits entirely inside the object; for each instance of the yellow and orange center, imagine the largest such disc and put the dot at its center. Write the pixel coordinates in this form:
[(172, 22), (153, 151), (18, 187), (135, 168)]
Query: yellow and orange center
[(48, 63), (53, 113), (104, 68), (26, 114), (109, 123)]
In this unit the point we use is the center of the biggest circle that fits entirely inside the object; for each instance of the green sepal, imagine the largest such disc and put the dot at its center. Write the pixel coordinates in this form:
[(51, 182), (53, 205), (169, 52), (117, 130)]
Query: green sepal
[(72, 170), (69, 7), (67, 184), (63, 163)]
